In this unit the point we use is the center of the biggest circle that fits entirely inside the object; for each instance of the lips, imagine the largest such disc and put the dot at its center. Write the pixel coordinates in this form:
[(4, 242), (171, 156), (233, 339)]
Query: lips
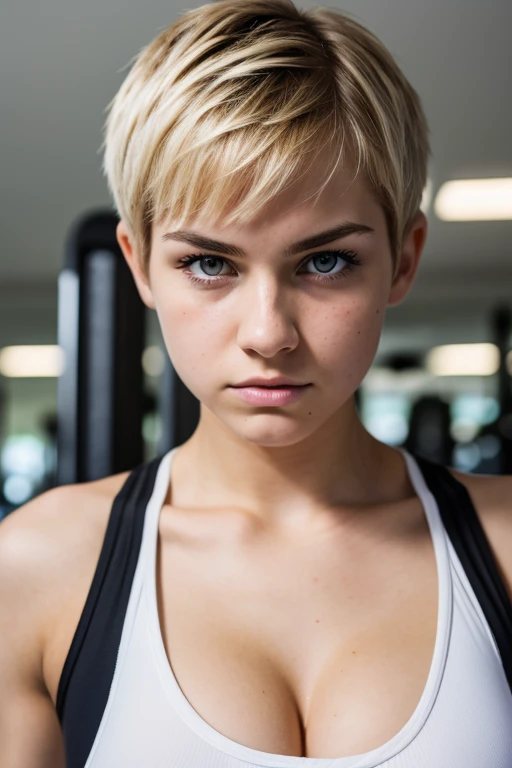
[(275, 386), (266, 396), (276, 382)]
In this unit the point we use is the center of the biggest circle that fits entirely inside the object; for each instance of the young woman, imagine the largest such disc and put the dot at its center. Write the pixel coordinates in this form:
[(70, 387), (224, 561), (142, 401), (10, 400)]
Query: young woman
[(282, 589)]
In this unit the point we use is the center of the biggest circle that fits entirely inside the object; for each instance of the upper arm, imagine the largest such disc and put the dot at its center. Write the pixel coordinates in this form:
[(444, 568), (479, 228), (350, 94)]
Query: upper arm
[(30, 734)]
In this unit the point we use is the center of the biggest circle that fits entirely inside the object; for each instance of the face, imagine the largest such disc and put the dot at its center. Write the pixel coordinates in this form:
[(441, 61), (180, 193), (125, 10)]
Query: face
[(315, 315)]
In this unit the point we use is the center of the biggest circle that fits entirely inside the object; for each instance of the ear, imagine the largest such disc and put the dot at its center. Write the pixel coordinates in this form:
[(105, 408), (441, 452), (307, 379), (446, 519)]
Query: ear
[(127, 244), (409, 259)]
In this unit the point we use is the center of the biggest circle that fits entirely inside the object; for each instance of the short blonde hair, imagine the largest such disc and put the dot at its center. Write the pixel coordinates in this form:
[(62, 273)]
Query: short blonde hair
[(223, 109)]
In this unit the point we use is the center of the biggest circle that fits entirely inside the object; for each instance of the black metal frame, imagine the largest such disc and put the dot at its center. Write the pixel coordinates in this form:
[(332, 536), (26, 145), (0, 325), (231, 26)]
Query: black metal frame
[(101, 331)]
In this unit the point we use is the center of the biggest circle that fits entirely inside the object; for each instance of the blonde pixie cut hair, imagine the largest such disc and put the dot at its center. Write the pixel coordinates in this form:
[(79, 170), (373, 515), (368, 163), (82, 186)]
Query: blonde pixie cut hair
[(234, 101)]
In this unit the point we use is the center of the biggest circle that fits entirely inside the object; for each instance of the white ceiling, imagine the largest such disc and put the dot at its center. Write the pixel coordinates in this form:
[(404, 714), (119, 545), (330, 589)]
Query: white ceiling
[(60, 65)]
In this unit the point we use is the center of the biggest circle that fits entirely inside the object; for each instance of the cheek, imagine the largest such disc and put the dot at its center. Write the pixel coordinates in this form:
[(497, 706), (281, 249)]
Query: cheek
[(192, 338), (344, 339)]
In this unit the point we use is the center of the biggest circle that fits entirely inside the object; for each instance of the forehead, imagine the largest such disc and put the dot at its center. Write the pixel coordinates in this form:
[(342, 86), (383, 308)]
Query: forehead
[(300, 208), (346, 194)]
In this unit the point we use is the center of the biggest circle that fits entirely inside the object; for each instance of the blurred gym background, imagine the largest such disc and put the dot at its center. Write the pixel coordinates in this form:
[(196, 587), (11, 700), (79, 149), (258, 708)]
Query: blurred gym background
[(441, 384)]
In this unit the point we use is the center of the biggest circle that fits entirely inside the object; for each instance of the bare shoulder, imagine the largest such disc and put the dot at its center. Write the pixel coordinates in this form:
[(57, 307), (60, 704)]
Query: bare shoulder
[(492, 499), (49, 549)]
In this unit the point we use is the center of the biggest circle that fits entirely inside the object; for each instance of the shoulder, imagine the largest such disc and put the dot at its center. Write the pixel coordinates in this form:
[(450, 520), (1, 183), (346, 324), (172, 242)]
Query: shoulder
[(49, 549), (70, 515), (492, 498)]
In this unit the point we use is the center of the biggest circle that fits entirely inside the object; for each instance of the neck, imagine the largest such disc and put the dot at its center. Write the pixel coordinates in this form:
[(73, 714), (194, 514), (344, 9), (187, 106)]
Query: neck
[(339, 467)]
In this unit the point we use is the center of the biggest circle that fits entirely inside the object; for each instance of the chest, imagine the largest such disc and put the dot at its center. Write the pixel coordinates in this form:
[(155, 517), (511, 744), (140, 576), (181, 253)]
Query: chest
[(317, 649)]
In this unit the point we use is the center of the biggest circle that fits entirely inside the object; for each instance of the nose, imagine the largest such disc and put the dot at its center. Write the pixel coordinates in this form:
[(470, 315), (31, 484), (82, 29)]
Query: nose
[(266, 323)]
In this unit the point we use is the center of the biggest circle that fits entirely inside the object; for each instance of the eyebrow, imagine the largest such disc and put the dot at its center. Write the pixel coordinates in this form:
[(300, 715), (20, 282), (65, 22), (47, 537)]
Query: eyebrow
[(313, 241)]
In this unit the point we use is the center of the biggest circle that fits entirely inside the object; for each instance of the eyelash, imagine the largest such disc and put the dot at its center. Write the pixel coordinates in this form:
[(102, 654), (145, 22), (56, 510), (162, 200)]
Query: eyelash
[(349, 256)]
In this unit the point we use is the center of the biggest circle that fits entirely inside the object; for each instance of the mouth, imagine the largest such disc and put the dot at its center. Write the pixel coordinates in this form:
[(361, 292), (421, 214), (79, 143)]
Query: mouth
[(275, 386), (277, 383), (276, 395)]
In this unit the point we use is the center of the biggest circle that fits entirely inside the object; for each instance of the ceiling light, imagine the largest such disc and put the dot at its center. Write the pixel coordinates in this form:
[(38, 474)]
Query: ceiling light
[(463, 360), (31, 361), (475, 200)]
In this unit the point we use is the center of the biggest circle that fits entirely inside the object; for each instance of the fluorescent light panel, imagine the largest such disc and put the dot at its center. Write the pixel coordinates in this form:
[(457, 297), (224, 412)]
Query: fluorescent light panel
[(463, 360), (475, 200), (42, 361)]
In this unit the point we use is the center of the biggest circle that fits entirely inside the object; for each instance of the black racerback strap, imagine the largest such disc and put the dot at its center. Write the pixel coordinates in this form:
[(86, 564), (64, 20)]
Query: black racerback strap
[(89, 668), (470, 542)]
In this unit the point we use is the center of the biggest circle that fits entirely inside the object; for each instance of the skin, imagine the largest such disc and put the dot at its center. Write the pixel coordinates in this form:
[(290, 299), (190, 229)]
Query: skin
[(293, 465)]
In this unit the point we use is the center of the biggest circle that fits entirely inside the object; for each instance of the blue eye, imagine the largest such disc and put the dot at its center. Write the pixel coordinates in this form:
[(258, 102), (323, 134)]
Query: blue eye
[(324, 261)]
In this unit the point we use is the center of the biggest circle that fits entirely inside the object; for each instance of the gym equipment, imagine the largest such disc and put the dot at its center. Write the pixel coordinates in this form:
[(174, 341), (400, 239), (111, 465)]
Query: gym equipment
[(101, 331)]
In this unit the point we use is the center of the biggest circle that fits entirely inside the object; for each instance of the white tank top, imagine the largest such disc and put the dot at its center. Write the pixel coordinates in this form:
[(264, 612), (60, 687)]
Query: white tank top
[(463, 719)]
